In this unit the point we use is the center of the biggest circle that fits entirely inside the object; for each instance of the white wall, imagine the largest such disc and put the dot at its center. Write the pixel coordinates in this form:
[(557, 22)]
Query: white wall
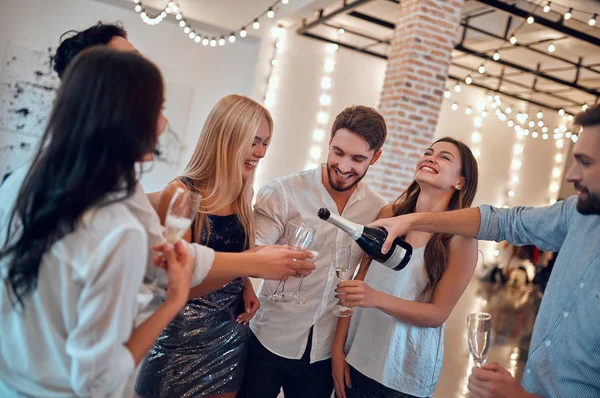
[(356, 80), (196, 76)]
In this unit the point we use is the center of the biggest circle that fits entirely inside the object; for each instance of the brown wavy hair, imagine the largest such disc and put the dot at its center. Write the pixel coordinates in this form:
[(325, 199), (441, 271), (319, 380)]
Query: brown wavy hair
[(437, 248)]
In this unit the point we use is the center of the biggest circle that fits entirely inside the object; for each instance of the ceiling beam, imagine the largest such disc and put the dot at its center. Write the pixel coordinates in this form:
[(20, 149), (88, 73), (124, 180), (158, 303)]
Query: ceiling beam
[(323, 18), (557, 26), (542, 75)]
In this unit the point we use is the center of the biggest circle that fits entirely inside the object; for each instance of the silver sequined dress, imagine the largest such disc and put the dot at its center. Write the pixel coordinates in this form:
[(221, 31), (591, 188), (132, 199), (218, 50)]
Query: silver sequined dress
[(203, 351)]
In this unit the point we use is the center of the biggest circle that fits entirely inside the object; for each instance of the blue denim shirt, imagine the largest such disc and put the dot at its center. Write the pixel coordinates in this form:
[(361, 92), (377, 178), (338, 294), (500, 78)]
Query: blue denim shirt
[(564, 355)]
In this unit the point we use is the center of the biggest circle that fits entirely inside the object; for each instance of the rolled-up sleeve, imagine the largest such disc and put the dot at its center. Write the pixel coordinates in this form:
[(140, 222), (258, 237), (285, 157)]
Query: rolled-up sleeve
[(106, 309), (544, 227), (270, 214)]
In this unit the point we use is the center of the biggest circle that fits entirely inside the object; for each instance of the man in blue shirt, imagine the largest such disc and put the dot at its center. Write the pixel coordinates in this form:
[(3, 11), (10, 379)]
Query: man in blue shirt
[(564, 355)]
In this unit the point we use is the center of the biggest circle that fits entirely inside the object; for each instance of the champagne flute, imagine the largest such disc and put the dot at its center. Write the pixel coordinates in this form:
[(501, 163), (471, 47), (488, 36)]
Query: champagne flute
[(479, 333), (341, 264), (180, 214), (300, 237)]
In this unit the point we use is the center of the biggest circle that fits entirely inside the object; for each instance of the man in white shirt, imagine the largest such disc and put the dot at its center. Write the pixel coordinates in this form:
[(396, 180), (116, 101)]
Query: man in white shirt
[(291, 346)]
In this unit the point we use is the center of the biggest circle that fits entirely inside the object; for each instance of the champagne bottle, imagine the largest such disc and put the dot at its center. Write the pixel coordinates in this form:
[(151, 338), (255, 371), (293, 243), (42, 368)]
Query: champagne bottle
[(371, 241)]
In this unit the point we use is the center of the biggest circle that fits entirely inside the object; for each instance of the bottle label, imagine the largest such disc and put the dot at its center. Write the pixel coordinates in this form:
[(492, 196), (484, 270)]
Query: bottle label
[(396, 257)]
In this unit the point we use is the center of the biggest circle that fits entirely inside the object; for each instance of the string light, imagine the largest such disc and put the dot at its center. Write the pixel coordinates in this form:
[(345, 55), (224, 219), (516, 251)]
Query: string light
[(324, 101), (592, 21), (457, 88), (547, 7), (530, 20), (496, 56), (481, 69), (173, 9), (513, 39), (468, 79), (551, 47), (272, 80), (569, 14)]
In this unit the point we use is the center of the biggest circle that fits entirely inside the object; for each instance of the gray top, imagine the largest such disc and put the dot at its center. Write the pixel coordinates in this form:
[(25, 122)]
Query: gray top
[(564, 355)]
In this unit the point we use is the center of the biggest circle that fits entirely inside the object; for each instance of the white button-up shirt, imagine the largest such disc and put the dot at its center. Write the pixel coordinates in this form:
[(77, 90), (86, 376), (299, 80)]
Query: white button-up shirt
[(283, 328), (69, 340)]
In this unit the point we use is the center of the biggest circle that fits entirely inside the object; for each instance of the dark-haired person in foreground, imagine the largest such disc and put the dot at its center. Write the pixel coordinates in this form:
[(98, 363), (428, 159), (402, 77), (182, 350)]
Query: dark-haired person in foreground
[(72, 255), (564, 355), (269, 263)]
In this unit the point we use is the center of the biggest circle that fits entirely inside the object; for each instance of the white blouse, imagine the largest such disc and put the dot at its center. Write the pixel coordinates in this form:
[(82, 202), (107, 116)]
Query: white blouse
[(69, 339), (401, 356)]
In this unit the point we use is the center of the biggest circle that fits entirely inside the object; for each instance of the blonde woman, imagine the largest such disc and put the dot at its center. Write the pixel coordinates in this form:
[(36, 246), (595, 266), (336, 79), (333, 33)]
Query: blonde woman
[(202, 353)]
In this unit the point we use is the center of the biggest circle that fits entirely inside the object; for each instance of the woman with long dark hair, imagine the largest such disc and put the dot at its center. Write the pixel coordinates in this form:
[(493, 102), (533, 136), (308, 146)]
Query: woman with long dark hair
[(394, 341), (72, 255)]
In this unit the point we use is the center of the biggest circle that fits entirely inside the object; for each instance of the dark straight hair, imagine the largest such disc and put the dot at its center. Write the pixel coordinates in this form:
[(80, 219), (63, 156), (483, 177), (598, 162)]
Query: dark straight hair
[(438, 246), (103, 121)]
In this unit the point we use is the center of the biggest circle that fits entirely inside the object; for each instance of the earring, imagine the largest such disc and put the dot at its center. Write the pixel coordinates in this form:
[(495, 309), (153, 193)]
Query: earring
[(457, 187)]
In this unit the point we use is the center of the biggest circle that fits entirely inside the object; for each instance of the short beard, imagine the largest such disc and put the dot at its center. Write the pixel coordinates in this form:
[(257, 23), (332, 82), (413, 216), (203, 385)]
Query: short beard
[(338, 189), (589, 206)]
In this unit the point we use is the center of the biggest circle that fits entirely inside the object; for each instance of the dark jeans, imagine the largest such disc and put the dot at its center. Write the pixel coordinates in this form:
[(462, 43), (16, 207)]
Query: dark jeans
[(266, 373), (364, 387)]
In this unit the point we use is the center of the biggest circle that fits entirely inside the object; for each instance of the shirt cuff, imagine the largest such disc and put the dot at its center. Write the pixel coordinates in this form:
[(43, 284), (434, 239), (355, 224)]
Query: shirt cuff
[(489, 224), (204, 258)]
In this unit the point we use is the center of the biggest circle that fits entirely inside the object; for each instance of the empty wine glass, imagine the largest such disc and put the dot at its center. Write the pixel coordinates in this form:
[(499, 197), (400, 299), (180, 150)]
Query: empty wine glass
[(341, 264), (300, 237), (180, 214), (479, 333)]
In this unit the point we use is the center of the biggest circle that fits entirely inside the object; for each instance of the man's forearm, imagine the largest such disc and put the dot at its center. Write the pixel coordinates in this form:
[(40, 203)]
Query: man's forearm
[(463, 222)]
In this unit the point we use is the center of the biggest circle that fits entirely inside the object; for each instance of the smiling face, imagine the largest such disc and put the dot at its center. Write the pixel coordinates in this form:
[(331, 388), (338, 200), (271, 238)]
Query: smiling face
[(348, 160), (440, 168), (585, 172), (258, 149)]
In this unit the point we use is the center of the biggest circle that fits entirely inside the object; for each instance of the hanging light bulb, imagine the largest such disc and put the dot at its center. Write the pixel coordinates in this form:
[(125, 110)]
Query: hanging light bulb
[(592, 21), (270, 13), (178, 17), (447, 94), (243, 32), (551, 47), (468, 79), (540, 115), (510, 123), (584, 107), (457, 88), (484, 114), (197, 39), (187, 30), (284, 1), (513, 39), (561, 112), (213, 42), (256, 24), (232, 38), (205, 42), (182, 24), (547, 7), (530, 20), (454, 106), (138, 8), (569, 14), (496, 56), (508, 110), (468, 110), (341, 31), (490, 97), (481, 69)]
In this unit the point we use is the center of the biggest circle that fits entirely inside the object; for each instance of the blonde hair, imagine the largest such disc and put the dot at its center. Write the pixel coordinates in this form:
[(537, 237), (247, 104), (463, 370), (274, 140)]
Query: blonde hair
[(215, 168)]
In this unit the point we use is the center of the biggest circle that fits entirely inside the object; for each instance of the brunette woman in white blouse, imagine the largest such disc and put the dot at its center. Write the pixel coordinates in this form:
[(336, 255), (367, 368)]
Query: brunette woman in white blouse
[(394, 341), (72, 255)]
